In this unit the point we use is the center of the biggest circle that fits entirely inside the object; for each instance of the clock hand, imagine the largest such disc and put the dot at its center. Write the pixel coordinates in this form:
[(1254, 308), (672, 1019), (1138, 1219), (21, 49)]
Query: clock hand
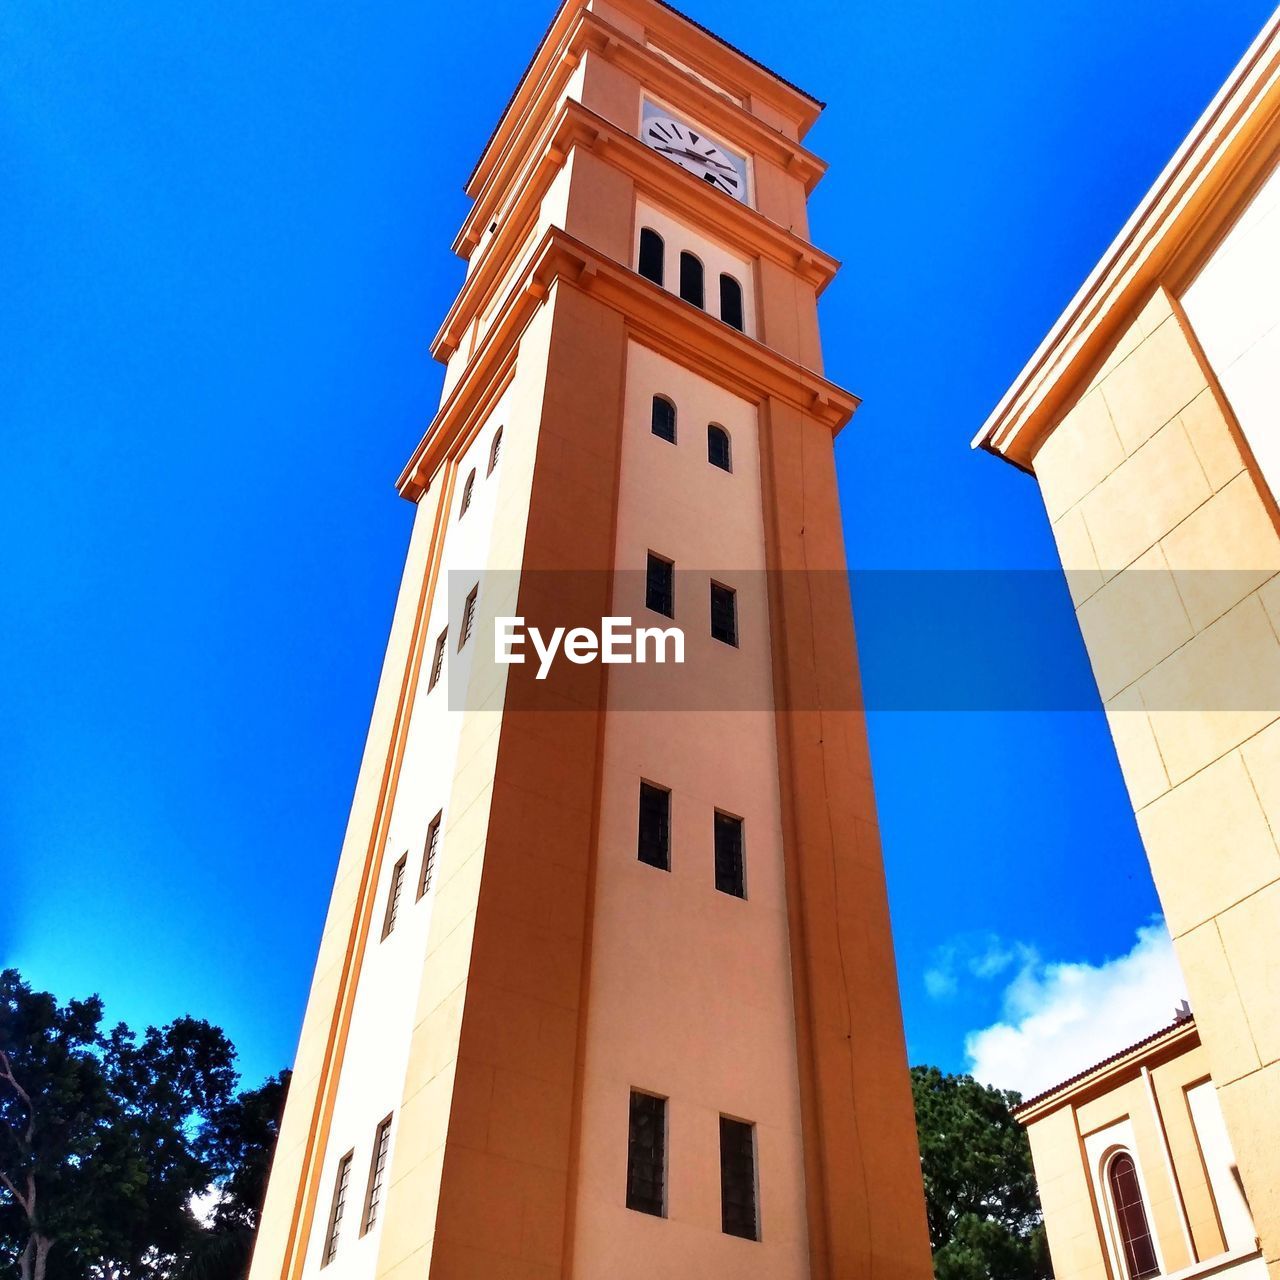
[(692, 155)]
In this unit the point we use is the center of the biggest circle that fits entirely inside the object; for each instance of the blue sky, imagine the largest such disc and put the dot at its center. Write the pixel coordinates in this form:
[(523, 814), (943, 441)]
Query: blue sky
[(223, 250)]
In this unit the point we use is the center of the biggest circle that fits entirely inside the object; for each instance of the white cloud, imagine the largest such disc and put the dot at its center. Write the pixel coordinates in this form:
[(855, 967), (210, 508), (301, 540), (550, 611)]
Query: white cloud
[(971, 956), (1060, 1018)]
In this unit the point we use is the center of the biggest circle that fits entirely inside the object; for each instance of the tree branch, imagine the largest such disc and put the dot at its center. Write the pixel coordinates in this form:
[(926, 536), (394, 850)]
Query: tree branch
[(6, 1073), (17, 1195)]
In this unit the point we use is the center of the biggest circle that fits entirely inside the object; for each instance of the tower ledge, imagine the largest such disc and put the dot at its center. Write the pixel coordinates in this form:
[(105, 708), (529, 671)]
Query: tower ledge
[(739, 225), (655, 318), (528, 112)]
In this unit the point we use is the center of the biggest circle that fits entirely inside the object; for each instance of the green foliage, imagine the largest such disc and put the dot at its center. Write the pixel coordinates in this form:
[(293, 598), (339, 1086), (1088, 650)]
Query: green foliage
[(107, 1138), (980, 1188), (237, 1142)]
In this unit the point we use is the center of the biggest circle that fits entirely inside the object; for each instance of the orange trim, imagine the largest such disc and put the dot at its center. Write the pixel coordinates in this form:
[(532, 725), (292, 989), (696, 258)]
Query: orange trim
[(737, 225), (1201, 187), (1181, 1036), (498, 173), (331, 1069), (654, 318), (689, 42)]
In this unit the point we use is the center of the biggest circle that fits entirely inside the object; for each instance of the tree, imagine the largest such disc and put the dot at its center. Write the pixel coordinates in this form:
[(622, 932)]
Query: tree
[(980, 1188), (101, 1150), (237, 1143)]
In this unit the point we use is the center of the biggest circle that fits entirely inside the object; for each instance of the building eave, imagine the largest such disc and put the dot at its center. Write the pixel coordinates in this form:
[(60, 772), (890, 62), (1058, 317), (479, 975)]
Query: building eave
[(1178, 1037), (577, 30), (1166, 237), (654, 318), (656, 180)]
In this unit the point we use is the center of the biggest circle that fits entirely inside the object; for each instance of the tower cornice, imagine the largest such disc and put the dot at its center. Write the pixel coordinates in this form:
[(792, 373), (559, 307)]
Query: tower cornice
[(562, 46), (504, 157), (654, 317), (738, 225)]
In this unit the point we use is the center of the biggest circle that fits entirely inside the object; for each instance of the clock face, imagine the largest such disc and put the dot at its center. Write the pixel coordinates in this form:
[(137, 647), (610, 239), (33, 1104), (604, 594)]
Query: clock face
[(696, 152)]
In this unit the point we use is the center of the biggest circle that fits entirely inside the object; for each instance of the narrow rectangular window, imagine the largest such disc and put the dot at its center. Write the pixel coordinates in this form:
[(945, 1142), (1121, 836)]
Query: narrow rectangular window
[(468, 617), (437, 661), (724, 613), (340, 1184), (730, 868), (660, 586), (377, 1173), (654, 844), (394, 894), (429, 850), (738, 1179), (647, 1154)]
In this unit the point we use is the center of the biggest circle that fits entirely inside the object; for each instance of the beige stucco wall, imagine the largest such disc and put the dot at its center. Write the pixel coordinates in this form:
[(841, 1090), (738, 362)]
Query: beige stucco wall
[(674, 963), (1171, 555), (1184, 1164), (524, 1022)]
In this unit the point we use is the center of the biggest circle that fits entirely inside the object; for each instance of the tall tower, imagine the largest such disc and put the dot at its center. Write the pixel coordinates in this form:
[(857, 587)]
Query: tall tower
[(606, 987)]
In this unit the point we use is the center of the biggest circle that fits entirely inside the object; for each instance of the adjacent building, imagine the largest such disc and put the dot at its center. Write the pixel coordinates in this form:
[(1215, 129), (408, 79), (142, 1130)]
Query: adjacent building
[(1137, 1174), (606, 987), (1150, 416)]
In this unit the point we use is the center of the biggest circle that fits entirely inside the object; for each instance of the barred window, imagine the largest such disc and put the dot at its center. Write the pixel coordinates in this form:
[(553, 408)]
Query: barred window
[(660, 586), (738, 1179), (662, 420), (468, 617), (653, 845), (730, 864), (731, 301), (377, 1173), (718, 447), (429, 851), (647, 1154), (394, 894), (341, 1182), (1131, 1218), (724, 613), (652, 254), (495, 449), (437, 661), (467, 490)]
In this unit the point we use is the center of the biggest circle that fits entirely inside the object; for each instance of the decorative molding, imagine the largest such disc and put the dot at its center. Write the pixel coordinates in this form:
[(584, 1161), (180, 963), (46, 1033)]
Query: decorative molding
[(654, 317), (500, 165), (739, 226), (1210, 175), (1178, 1038)]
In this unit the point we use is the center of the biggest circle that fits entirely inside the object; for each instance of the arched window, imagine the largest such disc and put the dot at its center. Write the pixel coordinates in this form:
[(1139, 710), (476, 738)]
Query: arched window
[(691, 280), (718, 447), (731, 301), (1131, 1218), (494, 450), (651, 255), (466, 493), (664, 419)]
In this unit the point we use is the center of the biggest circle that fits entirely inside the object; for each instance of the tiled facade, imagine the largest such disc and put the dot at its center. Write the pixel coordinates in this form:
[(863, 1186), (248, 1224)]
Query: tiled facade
[(1155, 1104), (1148, 455)]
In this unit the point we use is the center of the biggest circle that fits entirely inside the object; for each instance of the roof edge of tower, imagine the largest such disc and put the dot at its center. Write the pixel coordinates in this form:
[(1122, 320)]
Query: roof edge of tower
[(796, 103)]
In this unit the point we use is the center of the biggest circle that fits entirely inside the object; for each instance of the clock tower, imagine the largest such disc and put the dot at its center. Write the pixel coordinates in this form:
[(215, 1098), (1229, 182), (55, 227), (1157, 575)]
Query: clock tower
[(606, 987)]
